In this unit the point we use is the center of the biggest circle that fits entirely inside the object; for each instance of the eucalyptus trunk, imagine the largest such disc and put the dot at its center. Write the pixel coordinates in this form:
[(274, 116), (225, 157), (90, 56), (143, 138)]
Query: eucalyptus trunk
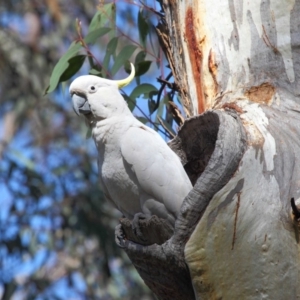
[(237, 66)]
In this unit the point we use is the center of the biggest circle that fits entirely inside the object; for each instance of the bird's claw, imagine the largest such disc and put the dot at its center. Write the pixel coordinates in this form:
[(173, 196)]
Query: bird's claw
[(136, 225), (120, 236)]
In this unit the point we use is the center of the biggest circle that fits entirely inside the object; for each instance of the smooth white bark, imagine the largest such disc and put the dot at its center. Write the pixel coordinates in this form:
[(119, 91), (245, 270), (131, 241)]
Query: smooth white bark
[(246, 244)]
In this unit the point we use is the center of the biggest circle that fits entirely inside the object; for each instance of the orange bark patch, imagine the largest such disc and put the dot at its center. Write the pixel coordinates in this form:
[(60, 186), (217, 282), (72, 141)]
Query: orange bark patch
[(232, 105), (213, 68), (195, 54), (254, 136), (262, 94)]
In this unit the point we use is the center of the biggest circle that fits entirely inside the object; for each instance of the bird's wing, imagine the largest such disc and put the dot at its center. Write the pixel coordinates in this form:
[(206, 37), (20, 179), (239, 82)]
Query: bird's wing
[(106, 193), (157, 168)]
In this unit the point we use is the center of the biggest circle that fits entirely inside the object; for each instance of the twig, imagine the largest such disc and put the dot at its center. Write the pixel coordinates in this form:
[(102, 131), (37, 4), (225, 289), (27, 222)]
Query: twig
[(171, 85), (177, 116), (171, 135), (148, 119), (88, 51), (161, 90), (152, 10)]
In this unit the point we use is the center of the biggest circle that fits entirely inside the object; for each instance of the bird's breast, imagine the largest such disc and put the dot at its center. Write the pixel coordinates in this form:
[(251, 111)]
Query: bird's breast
[(120, 182)]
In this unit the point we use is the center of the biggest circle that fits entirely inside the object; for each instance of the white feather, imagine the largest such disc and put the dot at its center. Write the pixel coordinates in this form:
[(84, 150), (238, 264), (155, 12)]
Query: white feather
[(138, 171)]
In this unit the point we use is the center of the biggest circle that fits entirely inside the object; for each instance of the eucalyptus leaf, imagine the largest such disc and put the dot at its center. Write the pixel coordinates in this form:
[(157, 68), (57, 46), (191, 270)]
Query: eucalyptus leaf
[(142, 67), (106, 14), (122, 57), (110, 50), (143, 120), (95, 22), (75, 63), (92, 36), (161, 107), (130, 101), (143, 27), (61, 67), (140, 56), (143, 89), (151, 106), (112, 45), (95, 72)]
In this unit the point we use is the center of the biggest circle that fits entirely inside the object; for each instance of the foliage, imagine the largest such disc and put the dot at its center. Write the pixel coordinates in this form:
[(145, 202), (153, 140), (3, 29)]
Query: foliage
[(104, 23), (56, 230)]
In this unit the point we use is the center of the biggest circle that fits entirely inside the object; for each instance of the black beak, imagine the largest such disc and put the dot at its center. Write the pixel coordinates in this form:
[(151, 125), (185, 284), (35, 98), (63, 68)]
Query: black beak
[(80, 104)]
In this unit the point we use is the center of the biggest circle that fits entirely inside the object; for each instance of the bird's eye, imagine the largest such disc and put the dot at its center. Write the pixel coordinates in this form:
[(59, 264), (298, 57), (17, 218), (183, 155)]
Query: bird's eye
[(92, 89)]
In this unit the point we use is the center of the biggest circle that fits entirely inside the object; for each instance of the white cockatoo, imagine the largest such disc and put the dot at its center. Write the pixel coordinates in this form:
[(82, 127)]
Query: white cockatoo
[(138, 171)]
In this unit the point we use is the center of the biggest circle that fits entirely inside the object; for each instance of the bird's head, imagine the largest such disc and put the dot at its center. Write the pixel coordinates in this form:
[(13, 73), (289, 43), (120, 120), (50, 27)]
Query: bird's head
[(98, 96)]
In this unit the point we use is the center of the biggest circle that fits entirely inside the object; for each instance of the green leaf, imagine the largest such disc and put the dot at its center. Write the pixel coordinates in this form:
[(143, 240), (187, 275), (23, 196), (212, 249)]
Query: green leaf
[(151, 106), (110, 50), (122, 57), (154, 44), (75, 63), (112, 45), (61, 67), (112, 20), (95, 71), (92, 36), (143, 89), (95, 22), (140, 56), (143, 120), (130, 101), (105, 14), (142, 67), (161, 107), (143, 27)]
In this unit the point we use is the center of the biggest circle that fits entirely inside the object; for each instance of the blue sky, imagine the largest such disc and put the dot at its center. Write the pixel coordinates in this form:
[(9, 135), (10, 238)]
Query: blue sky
[(14, 266)]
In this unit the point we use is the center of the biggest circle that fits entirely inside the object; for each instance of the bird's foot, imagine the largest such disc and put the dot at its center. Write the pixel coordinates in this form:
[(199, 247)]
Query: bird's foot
[(136, 225), (120, 236)]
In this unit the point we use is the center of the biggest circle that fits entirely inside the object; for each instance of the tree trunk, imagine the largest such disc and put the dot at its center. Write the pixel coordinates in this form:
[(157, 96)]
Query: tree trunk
[(236, 237)]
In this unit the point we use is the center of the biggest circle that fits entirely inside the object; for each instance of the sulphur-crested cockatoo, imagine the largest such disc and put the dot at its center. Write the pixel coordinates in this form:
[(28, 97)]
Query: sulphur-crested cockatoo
[(139, 173)]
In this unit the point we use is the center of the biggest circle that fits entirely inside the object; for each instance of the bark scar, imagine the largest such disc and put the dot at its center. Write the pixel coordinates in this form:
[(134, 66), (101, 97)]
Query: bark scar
[(268, 42), (196, 56), (235, 219), (213, 67), (234, 106), (262, 94)]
